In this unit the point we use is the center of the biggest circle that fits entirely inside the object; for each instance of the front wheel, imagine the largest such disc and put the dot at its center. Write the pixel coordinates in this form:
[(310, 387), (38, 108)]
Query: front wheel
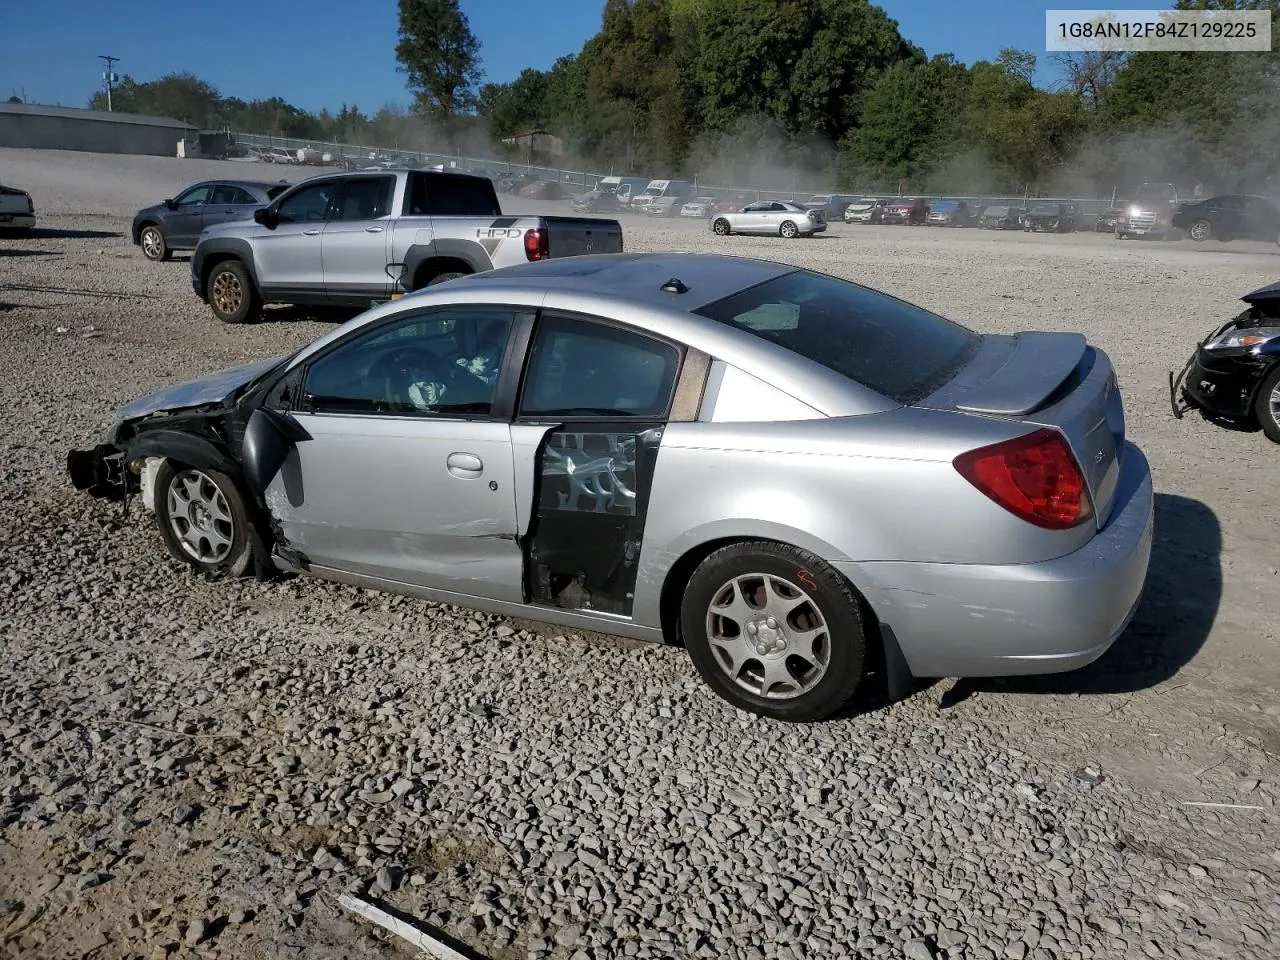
[(774, 630), (231, 293), (1267, 405), (203, 519), (153, 243), (789, 230), (1200, 231), (721, 227)]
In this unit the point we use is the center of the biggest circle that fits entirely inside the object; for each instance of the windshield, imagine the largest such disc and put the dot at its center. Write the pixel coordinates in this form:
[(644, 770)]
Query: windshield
[(897, 349)]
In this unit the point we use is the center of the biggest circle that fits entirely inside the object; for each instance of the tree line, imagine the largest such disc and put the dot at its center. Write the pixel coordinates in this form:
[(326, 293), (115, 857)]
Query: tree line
[(828, 91)]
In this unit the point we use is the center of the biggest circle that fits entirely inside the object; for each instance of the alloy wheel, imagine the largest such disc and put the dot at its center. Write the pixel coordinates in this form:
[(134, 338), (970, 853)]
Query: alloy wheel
[(152, 243), (768, 636), (227, 292), (200, 517)]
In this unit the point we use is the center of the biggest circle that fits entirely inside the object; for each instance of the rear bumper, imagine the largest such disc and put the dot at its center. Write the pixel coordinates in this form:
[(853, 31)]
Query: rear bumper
[(17, 221), (972, 620)]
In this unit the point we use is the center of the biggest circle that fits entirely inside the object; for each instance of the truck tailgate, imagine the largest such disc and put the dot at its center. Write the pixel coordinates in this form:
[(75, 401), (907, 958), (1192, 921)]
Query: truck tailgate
[(577, 236)]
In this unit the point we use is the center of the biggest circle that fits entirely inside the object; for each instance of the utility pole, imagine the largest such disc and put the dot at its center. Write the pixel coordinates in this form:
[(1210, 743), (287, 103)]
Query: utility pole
[(108, 76)]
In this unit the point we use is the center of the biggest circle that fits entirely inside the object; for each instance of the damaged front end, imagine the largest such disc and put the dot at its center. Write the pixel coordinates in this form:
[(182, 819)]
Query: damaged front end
[(1221, 377), (101, 472)]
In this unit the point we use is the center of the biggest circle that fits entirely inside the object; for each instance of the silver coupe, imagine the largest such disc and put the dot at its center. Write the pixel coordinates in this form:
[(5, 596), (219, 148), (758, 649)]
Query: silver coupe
[(805, 482), (775, 218)]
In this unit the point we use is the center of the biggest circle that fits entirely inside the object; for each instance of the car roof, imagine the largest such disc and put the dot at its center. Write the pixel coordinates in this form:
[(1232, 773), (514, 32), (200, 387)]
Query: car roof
[(627, 287)]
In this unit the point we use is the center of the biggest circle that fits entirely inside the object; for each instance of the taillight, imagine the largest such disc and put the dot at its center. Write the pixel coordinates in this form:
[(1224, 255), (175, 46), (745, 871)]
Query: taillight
[(31, 204), (535, 244), (1033, 477)]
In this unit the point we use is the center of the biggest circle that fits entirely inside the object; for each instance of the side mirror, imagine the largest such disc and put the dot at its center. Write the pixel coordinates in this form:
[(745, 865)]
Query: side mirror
[(170, 204), (268, 438), (265, 216)]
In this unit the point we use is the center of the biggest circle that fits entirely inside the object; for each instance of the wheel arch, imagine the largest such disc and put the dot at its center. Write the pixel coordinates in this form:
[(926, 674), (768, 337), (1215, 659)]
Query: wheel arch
[(142, 225), (423, 262), (209, 253)]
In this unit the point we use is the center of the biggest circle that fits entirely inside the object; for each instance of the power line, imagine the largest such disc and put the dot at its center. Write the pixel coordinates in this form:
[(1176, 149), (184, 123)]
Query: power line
[(108, 76)]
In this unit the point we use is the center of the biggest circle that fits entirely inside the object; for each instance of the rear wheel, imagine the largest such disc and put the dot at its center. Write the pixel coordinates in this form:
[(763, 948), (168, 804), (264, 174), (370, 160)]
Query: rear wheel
[(789, 230), (1200, 231), (231, 293), (203, 519), (721, 227), (774, 630), (1267, 405), (152, 241)]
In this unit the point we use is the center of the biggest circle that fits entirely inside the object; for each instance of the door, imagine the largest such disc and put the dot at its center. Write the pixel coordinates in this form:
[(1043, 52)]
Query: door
[(183, 224), (355, 241), (288, 255), (604, 393), (408, 473), (227, 203), (753, 217)]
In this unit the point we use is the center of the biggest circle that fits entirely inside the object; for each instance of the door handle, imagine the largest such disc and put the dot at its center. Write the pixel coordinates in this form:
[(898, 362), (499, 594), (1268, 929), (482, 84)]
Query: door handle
[(372, 229), (465, 466), (311, 233)]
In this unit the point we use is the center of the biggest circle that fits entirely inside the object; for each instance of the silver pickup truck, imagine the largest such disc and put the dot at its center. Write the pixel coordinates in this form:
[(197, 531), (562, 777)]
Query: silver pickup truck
[(347, 239)]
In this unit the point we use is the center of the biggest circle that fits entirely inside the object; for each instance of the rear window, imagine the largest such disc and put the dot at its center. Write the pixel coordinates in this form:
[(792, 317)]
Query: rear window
[(899, 350), (444, 195)]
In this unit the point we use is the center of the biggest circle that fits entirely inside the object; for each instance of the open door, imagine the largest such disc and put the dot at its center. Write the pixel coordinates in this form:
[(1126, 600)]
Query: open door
[(590, 501)]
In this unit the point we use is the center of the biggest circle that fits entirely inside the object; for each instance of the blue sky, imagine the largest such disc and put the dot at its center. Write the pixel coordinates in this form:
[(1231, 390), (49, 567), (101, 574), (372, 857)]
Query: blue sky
[(318, 53)]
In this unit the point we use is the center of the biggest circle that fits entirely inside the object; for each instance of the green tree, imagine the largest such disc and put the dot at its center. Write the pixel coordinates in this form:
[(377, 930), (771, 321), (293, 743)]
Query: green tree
[(440, 56)]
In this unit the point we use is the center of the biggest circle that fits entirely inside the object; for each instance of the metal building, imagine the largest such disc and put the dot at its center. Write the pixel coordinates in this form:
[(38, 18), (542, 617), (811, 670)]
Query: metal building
[(98, 131)]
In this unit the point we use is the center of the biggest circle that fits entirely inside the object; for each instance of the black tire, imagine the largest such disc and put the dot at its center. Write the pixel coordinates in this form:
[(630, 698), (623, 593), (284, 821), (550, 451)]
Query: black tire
[(1268, 416), (721, 227), (154, 246), (1200, 231), (233, 561), (441, 278), (232, 295), (826, 590), (788, 230)]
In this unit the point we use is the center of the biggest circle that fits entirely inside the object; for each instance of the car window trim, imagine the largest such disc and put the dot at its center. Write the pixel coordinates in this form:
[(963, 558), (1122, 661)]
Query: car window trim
[(682, 352), (503, 404), (342, 182)]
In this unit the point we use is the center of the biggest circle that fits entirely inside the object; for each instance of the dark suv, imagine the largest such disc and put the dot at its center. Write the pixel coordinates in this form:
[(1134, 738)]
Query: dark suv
[(177, 224)]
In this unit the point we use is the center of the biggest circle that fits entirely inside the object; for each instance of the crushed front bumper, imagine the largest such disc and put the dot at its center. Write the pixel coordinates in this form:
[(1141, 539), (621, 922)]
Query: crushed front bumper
[(100, 472), (1219, 386), (981, 620)]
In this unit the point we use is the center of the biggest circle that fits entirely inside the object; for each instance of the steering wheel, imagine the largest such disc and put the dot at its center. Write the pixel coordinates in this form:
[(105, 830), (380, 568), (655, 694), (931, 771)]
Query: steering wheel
[(401, 368)]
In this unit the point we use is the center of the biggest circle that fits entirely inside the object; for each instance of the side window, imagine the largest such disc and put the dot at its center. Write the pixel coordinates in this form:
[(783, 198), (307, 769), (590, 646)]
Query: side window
[(443, 195), (308, 204), (224, 193), (582, 369), (443, 364), (363, 198), (193, 196)]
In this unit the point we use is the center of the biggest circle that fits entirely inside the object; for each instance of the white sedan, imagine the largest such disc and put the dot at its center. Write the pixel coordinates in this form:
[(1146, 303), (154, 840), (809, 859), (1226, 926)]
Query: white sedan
[(772, 217)]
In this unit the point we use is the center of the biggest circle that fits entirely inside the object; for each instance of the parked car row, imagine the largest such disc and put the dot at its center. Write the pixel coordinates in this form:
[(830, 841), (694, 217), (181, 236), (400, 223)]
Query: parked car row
[(346, 239)]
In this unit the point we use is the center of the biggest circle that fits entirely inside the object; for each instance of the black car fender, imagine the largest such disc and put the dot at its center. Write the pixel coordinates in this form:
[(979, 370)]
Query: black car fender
[(419, 255), (215, 249)]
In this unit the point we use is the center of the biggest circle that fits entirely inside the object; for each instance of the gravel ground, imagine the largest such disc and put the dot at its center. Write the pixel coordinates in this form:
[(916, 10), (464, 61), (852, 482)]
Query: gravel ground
[(200, 769)]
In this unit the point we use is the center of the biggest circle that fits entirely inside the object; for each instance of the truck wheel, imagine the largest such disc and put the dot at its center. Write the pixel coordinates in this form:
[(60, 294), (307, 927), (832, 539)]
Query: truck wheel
[(231, 293), (1267, 405), (442, 278)]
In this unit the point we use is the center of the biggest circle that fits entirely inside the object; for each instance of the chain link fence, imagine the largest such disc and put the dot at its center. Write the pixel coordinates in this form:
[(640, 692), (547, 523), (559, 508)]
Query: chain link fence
[(292, 151)]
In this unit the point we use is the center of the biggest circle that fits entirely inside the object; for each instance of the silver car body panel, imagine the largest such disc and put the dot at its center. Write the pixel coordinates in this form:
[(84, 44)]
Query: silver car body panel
[(213, 388), (777, 447)]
